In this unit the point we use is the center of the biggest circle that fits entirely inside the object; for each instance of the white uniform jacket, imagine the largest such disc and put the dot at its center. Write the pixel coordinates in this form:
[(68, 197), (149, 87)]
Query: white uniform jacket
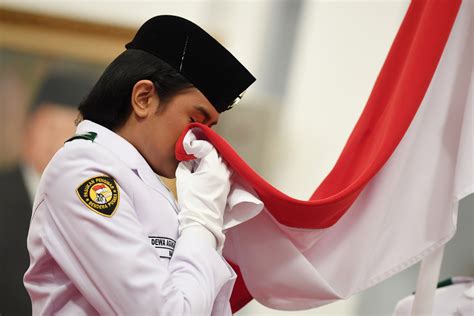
[(104, 239)]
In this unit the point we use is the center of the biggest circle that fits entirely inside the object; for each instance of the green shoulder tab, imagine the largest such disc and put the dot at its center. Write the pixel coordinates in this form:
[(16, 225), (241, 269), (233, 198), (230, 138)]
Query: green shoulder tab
[(87, 136)]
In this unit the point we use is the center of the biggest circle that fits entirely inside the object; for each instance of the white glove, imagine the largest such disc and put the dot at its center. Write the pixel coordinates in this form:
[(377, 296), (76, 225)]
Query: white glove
[(202, 194)]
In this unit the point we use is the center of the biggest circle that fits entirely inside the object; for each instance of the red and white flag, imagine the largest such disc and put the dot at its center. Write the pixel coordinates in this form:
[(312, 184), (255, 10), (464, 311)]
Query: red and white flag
[(392, 197)]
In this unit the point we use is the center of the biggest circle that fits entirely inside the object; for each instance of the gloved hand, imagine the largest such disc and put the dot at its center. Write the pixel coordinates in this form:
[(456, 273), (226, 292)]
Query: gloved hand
[(202, 194)]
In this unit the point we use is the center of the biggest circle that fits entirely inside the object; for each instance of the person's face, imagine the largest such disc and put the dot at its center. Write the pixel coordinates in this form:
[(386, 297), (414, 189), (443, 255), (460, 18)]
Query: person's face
[(45, 133), (164, 127)]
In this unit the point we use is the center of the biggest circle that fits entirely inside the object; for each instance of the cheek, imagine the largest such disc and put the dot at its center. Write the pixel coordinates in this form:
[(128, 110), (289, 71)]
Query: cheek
[(176, 129), (169, 136), (173, 123)]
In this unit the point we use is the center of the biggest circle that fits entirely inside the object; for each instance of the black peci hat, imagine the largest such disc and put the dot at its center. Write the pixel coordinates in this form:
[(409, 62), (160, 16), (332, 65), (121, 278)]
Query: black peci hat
[(197, 56)]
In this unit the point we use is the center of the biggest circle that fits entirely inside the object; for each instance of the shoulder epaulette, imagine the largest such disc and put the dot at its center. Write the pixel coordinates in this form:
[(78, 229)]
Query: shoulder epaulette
[(87, 136)]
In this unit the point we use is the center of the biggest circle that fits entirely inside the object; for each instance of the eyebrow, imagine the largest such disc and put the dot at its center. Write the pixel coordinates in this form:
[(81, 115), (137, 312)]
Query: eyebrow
[(205, 113)]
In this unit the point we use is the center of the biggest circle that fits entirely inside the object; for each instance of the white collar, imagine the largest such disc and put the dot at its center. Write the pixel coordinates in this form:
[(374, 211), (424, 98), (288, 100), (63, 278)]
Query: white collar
[(115, 143)]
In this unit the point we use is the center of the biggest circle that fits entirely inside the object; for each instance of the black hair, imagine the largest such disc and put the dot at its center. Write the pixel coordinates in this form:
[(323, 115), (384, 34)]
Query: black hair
[(109, 102)]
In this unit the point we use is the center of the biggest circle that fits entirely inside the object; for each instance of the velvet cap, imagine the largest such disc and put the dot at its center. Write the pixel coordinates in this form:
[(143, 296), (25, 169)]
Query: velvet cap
[(197, 56)]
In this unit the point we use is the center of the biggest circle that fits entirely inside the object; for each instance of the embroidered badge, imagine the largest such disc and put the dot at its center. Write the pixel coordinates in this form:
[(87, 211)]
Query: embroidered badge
[(100, 194)]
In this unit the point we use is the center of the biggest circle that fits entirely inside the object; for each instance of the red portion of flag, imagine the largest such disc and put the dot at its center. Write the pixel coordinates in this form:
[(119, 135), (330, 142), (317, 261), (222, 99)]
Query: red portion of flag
[(243, 297)]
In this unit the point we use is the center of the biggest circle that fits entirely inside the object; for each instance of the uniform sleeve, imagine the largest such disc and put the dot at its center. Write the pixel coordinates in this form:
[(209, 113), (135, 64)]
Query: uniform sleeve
[(111, 264)]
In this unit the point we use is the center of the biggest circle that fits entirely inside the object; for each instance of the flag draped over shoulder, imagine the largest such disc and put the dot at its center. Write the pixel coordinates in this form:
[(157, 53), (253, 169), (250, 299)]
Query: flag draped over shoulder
[(392, 196)]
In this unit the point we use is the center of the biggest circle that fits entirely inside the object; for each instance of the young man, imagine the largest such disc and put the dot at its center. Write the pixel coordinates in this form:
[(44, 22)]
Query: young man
[(106, 236), (49, 121)]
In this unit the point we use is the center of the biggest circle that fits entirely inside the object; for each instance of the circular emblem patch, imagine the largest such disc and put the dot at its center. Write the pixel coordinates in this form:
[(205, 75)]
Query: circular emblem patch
[(100, 194)]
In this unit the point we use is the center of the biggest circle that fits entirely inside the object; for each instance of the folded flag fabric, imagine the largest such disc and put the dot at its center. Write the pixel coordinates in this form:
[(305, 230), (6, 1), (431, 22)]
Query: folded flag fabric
[(392, 196), (242, 203)]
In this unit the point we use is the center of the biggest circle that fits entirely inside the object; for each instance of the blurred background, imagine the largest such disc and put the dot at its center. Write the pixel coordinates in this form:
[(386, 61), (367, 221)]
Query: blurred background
[(315, 64)]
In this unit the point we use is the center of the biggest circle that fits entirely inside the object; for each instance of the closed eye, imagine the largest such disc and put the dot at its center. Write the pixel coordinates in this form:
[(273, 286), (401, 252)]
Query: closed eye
[(205, 116)]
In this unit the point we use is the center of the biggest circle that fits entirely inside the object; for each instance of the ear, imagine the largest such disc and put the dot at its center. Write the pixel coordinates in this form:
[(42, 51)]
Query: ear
[(144, 98)]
